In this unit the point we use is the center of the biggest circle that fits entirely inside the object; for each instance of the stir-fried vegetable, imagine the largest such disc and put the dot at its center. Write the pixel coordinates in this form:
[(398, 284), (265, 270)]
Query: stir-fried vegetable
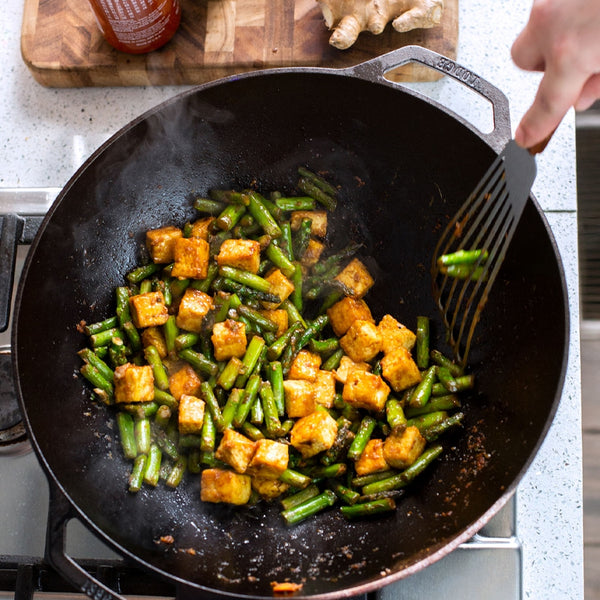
[(245, 354)]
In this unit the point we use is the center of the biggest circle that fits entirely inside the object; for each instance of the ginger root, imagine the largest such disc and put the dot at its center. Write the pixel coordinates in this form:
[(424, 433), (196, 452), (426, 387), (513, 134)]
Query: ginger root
[(349, 17)]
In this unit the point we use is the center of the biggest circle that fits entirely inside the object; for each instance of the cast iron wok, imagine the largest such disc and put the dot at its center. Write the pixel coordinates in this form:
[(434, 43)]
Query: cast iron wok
[(404, 164)]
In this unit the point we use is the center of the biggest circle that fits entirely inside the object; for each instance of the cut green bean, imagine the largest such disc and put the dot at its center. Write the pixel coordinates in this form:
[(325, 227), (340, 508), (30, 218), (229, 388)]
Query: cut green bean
[(299, 497), (363, 435), (153, 462), (420, 396), (422, 342), (161, 377), (309, 507), (126, 427), (136, 477), (366, 509)]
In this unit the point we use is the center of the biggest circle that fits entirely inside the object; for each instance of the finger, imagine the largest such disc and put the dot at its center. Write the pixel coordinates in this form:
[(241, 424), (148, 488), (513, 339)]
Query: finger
[(525, 52), (589, 94), (556, 95)]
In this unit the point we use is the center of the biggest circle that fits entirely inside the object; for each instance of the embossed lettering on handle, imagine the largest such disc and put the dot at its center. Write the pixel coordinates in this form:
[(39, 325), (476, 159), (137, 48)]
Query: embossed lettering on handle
[(458, 72)]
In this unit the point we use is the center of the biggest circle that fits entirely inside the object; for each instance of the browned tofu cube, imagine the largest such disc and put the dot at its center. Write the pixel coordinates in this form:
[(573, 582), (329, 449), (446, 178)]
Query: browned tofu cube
[(347, 310), (305, 366), (191, 258), (362, 341), (312, 254), (299, 397), (365, 390), (403, 446), (241, 254), (346, 365), (269, 488), (191, 414), (184, 381), (153, 336), (318, 226), (229, 339), (280, 285), (148, 309), (201, 228), (278, 316), (314, 433), (400, 370), (161, 243), (324, 388), (356, 278), (134, 383), (394, 334), (220, 485), (371, 460), (194, 306), (236, 450), (270, 459)]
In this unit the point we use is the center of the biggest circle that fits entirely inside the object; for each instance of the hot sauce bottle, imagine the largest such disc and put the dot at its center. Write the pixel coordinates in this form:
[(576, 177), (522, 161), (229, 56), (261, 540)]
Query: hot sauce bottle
[(137, 26)]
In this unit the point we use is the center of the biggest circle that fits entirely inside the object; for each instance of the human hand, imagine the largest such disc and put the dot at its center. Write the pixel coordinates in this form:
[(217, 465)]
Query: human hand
[(562, 39)]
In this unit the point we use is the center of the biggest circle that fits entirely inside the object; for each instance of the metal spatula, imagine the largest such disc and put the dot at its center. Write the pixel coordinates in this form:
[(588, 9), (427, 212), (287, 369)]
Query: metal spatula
[(483, 228)]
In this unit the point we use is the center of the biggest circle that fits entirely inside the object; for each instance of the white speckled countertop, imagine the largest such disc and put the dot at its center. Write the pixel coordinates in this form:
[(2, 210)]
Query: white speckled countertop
[(45, 135)]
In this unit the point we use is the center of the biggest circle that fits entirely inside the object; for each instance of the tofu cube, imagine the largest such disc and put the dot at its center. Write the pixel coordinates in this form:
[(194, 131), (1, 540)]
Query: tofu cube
[(201, 228), (365, 390), (153, 336), (318, 226), (191, 414), (184, 381), (347, 310), (314, 433), (324, 388), (280, 285), (242, 254), (403, 446), (269, 489), (346, 365), (356, 278), (372, 459), (270, 459), (148, 309), (134, 383), (305, 366), (394, 334), (278, 316), (193, 307), (299, 397), (400, 370), (312, 254), (362, 341), (236, 450), (161, 243), (220, 485), (229, 339), (191, 257)]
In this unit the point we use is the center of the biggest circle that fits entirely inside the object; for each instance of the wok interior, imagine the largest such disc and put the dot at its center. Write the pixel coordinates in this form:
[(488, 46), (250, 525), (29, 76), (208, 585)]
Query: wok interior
[(404, 166)]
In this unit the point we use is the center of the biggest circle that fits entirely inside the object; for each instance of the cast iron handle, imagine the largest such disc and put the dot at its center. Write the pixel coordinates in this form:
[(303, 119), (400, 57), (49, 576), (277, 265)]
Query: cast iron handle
[(374, 70), (60, 512), (10, 232)]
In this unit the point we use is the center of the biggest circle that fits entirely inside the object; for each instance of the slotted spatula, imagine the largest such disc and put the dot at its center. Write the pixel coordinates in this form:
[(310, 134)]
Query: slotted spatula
[(486, 222)]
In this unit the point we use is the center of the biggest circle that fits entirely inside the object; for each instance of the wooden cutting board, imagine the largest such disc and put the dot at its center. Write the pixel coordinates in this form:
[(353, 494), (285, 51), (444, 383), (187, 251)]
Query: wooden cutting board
[(63, 47)]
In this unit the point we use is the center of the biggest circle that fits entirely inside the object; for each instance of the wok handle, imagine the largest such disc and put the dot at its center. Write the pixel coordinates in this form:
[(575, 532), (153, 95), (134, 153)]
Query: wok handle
[(374, 70), (10, 232), (59, 514)]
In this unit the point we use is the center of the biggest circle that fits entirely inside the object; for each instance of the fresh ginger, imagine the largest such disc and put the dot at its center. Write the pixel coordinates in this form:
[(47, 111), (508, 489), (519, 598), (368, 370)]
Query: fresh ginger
[(349, 17)]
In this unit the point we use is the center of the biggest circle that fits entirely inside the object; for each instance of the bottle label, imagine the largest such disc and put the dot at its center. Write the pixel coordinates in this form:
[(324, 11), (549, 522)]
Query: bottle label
[(138, 22)]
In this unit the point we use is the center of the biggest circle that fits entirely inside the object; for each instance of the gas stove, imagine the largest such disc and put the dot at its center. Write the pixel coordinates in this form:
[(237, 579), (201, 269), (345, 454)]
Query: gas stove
[(488, 565)]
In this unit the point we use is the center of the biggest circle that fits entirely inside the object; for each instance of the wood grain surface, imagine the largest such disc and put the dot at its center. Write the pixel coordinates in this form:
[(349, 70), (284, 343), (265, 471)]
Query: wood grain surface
[(63, 47)]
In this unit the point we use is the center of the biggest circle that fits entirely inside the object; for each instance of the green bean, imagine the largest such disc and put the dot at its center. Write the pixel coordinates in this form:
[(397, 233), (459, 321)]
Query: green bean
[(443, 361), (302, 238), (446, 379), (344, 493), (462, 257), (405, 477), (206, 205), (251, 431), (229, 216), (420, 396), (140, 273), (142, 434), (250, 359), (363, 435), (258, 209), (433, 432), (212, 404), (333, 361), (231, 406), (163, 416), (395, 413), (91, 357), (245, 278), (309, 188), (295, 479), (427, 420), (250, 394), (123, 311), (299, 497), (319, 181), (93, 375), (365, 509), (126, 427), (275, 376), (228, 375), (100, 326), (136, 477), (177, 472), (259, 319), (422, 342), (462, 383), (309, 507), (153, 462), (163, 397), (437, 403), (161, 378), (105, 337), (199, 361), (278, 257), (208, 433), (296, 203)]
